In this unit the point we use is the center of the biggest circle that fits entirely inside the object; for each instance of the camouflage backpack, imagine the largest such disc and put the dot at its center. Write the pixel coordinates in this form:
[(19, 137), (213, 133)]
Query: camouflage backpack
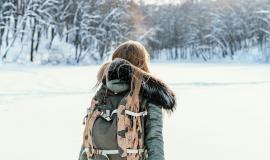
[(129, 129)]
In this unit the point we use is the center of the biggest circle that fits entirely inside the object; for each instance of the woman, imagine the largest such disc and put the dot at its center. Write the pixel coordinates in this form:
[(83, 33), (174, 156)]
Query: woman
[(124, 121)]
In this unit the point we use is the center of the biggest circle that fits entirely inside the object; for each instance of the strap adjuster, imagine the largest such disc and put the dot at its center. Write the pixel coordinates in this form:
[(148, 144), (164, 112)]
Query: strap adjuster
[(135, 151)]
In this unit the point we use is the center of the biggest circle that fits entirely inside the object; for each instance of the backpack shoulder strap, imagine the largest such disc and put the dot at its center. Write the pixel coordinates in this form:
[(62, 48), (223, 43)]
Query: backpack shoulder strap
[(129, 131), (92, 114), (90, 119)]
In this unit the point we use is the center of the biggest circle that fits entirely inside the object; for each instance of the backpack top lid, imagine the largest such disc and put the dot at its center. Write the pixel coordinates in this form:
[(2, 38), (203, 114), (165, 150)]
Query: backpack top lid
[(153, 89)]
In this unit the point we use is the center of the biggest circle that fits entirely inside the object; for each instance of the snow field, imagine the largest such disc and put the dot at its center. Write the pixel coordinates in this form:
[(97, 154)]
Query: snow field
[(222, 113)]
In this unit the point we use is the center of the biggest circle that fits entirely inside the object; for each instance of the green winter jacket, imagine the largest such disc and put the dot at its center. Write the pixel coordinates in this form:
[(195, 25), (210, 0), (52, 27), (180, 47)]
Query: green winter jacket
[(157, 95)]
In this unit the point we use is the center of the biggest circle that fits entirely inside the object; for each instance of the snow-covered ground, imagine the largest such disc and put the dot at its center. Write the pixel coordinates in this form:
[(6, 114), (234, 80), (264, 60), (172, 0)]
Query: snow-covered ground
[(223, 111)]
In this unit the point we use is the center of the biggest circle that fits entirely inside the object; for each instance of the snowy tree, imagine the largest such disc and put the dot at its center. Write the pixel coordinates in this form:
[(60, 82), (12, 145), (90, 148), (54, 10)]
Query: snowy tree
[(208, 29), (192, 29)]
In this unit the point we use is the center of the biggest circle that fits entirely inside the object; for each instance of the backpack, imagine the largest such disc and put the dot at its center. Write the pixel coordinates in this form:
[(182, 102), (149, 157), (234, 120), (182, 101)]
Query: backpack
[(130, 129)]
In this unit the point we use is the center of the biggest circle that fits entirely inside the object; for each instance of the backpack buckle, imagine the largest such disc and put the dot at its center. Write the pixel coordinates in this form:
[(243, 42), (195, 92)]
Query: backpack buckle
[(107, 115)]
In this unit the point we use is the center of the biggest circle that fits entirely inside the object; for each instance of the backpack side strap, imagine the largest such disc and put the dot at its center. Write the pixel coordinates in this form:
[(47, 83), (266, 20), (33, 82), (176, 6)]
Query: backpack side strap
[(108, 152), (134, 114)]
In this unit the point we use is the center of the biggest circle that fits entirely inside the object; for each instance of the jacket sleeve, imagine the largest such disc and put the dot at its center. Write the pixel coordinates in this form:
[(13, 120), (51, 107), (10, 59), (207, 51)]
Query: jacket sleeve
[(82, 155), (153, 133)]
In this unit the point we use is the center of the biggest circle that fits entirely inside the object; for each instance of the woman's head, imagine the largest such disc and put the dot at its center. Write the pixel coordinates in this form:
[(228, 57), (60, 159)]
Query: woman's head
[(132, 56), (135, 53)]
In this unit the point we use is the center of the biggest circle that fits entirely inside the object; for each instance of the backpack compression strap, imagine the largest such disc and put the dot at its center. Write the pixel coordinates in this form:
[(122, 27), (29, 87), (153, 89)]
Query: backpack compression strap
[(91, 118)]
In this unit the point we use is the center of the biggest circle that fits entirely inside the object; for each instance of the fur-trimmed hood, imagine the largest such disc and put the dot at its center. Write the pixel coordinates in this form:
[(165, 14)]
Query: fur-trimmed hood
[(153, 89)]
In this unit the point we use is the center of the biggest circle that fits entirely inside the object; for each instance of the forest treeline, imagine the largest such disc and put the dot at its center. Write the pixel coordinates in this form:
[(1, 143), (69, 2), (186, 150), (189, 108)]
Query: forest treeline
[(86, 31)]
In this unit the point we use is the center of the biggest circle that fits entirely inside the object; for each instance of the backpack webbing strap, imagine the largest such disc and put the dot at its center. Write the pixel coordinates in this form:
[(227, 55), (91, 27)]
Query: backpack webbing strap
[(87, 139), (129, 130), (106, 152), (107, 115), (134, 114)]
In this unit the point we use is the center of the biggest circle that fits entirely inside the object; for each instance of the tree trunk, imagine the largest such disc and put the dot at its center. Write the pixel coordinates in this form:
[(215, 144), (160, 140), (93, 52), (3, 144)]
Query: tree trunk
[(15, 24), (24, 25), (76, 44), (7, 35), (52, 37), (1, 36), (67, 33), (176, 53), (38, 39), (79, 55), (33, 41)]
